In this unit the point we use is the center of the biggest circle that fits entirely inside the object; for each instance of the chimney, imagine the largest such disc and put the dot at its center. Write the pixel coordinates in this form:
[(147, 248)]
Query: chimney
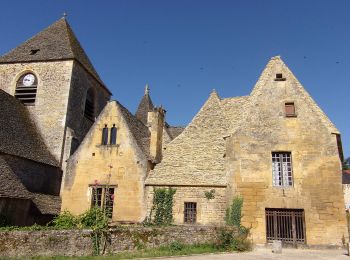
[(155, 122)]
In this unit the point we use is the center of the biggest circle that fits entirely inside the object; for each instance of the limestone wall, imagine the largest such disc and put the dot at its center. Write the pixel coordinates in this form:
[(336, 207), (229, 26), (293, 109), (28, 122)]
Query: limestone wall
[(122, 165), (315, 160), (210, 211)]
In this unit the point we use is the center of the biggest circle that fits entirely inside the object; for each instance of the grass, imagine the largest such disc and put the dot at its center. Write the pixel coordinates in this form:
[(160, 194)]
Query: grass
[(170, 250)]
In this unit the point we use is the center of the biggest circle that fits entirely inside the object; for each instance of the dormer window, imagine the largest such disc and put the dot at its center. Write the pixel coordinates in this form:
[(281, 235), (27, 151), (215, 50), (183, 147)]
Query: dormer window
[(34, 51), (290, 109), (26, 89), (279, 77)]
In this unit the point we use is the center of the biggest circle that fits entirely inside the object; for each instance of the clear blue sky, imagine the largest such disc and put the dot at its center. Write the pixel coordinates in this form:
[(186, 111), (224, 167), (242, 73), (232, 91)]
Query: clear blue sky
[(184, 49)]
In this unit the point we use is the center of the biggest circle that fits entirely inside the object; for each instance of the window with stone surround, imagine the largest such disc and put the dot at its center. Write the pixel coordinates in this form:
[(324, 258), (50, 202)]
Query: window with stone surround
[(290, 109), (190, 212), (282, 173), (113, 139), (103, 197), (105, 135)]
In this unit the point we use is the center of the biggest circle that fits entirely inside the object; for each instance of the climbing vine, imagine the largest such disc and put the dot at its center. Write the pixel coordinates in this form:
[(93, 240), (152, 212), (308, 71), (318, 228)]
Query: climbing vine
[(210, 194), (234, 212), (163, 206)]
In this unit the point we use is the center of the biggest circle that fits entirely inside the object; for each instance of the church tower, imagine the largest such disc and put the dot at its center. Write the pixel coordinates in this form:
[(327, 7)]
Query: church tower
[(53, 77)]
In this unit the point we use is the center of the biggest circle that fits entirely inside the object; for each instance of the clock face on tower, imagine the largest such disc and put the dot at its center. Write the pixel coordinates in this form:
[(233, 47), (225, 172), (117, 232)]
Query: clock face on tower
[(28, 80)]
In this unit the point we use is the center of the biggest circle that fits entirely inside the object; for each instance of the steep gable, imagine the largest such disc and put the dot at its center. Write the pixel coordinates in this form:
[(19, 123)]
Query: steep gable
[(56, 42), (145, 106), (196, 156)]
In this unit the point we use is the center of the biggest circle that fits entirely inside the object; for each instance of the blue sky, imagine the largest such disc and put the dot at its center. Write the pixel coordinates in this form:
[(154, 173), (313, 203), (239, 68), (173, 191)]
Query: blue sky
[(184, 49)]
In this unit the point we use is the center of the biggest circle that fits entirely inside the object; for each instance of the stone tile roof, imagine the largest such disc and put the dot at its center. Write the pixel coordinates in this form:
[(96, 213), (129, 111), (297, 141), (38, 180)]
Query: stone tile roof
[(144, 107), (18, 135), (139, 130), (197, 156), (56, 42), (175, 131), (12, 187)]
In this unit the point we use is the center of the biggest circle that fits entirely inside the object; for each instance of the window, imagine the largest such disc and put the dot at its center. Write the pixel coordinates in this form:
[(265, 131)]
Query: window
[(286, 225), (279, 77), (282, 169), (103, 197), (89, 111), (26, 89), (105, 135), (113, 139), (290, 109), (190, 213)]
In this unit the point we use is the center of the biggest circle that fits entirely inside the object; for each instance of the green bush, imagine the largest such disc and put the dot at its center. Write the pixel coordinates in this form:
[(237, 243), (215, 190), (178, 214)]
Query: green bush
[(176, 246), (94, 218), (234, 212), (230, 239), (65, 220)]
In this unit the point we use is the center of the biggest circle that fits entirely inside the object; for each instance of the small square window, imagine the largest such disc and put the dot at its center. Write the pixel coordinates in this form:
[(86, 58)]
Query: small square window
[(290, 109), (190, 213), (279, 77)]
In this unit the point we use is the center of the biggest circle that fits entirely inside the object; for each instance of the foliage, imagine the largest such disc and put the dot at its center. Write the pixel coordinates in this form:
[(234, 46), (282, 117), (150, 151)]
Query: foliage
[(230, 239), (234, 212), (163, 206), (210, 194), (94, 218), (176, 246), (65, 220)]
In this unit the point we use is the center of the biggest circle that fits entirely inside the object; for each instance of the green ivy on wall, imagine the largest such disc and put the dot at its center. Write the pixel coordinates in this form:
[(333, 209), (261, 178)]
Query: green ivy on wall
[(163, 206)]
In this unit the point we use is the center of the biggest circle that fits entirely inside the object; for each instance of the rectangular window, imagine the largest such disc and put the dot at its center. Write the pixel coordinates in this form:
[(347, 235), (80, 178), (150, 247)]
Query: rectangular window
[(103, 197), (105, 135), (286, 225), (290, 109), (282, 169), (190, 213), (113, 139)]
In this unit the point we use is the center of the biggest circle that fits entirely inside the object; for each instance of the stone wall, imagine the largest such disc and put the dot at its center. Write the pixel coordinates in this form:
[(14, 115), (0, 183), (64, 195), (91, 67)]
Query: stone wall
[(209, 211), (78, 242)]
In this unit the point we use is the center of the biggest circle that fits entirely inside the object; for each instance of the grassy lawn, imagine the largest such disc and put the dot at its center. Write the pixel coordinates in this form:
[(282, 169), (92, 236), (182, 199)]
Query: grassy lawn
[(172, 250)]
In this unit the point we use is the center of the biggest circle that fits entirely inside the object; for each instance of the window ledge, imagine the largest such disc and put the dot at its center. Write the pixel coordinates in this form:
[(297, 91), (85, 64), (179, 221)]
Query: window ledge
[(295, 115), (107, 145)]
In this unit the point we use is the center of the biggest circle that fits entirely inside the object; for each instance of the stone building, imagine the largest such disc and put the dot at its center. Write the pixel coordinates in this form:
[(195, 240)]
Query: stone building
[(110, 166), (275, 148)]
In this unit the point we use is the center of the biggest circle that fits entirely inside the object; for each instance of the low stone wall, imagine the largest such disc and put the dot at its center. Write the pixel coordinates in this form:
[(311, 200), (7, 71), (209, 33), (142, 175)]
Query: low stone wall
[(79, 242)]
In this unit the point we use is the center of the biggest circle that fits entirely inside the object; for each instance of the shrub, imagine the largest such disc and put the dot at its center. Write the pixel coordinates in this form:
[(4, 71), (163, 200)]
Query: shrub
[(163, 206), (176, 246), (94, 218), (234, 212), (65, 220), (230, 239)]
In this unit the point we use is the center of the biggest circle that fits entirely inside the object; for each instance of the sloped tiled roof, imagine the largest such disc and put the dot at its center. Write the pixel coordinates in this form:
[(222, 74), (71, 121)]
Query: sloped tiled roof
[(18, 134), (138, 129), (12, 187), (56, 42), (174, 131), (144, 107)]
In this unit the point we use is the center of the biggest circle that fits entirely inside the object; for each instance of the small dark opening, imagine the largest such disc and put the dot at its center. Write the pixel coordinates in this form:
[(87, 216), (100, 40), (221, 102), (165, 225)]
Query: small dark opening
[(34, 51), (279, 77), (105, 135)]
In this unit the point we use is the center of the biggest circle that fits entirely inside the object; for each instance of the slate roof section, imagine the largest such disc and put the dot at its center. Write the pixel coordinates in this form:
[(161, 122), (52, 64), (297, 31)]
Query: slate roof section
[(174, 131), (12, 187), (18, 134), (144, 107), (138, 129), (56, 42)]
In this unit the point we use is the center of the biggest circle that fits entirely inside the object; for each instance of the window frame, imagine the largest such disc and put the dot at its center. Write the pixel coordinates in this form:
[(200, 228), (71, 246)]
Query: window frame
[(104, 137), (190, 213), (290, 104), (104, 199), (283, 172), (113, 135)]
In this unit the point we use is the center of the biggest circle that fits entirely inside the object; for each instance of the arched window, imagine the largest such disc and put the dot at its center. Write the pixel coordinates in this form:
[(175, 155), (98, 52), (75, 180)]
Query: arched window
[(26, 89), (105, 135), (89, 111), (113, 139)]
